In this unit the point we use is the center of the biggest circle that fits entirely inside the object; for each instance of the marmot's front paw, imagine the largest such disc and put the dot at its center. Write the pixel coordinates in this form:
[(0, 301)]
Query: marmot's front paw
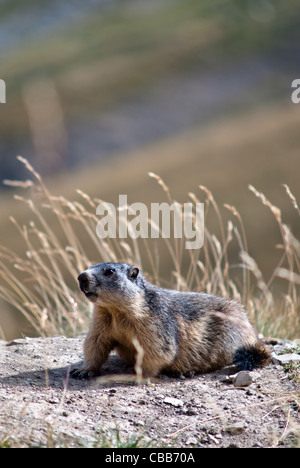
[(82, 374)]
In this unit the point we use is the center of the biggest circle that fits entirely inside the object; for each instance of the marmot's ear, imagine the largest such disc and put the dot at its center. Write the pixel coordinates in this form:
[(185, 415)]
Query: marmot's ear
[(133, 272)]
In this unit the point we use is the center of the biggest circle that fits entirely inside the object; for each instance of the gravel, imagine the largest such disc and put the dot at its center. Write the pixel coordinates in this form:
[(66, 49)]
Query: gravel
[(41, 406)]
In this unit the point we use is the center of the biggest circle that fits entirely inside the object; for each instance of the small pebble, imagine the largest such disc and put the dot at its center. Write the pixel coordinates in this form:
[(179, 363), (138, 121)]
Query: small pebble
[(242, 379), (284, 359), (236, 428), (173, 401)]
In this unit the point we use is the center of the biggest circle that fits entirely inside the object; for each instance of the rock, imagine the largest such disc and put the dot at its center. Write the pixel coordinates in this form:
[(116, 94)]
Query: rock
[(191, 412), (226, 379), (139, 423), (173, 401), (192, 441), (284, 359), (242, 379), (236, 428), (17, 342), (242, 376)]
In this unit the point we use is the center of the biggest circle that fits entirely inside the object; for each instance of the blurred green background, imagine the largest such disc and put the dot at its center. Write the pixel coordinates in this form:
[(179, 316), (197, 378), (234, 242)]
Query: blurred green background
[(99, 93)]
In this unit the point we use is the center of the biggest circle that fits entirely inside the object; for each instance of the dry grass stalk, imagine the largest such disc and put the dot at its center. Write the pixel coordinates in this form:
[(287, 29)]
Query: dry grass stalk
[(43, 287)]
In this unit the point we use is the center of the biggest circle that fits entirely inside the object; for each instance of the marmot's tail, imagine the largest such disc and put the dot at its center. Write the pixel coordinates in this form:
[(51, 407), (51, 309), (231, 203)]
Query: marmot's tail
[(252, 356)]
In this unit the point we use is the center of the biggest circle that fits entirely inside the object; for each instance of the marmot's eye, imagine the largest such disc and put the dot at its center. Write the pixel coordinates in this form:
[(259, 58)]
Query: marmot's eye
[(109, 271)]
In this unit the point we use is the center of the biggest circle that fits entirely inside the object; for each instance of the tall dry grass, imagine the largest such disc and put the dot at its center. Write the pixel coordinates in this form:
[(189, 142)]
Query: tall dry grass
[(42, 283)]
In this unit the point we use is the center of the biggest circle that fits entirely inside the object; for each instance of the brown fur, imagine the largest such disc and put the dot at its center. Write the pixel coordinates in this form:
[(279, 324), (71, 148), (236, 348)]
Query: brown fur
[(179, 332)]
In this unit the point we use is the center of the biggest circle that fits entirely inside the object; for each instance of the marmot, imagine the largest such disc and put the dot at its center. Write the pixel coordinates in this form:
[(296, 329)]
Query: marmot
[(180, 332)]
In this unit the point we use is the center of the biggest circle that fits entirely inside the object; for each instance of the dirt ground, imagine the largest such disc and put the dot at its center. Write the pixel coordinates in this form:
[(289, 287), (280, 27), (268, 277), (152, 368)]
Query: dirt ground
[(40, 405)]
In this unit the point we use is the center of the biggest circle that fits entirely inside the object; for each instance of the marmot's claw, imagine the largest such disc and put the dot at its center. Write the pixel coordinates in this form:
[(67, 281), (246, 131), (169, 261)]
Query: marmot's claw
[(81, 374)]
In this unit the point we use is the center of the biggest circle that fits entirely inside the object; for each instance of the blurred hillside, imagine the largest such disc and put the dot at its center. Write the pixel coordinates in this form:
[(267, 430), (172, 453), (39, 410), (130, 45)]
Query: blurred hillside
[(99, 93), (89, 81)]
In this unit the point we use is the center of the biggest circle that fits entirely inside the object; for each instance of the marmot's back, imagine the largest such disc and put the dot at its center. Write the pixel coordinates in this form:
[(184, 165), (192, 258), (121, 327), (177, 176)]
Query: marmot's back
[(178, 331)]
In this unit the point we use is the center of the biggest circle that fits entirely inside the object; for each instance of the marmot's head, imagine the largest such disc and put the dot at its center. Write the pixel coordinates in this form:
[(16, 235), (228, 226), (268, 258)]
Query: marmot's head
[(110, 284)]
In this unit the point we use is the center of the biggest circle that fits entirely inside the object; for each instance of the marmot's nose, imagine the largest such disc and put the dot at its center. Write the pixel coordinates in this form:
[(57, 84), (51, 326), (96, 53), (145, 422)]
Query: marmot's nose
[(84, 280)]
